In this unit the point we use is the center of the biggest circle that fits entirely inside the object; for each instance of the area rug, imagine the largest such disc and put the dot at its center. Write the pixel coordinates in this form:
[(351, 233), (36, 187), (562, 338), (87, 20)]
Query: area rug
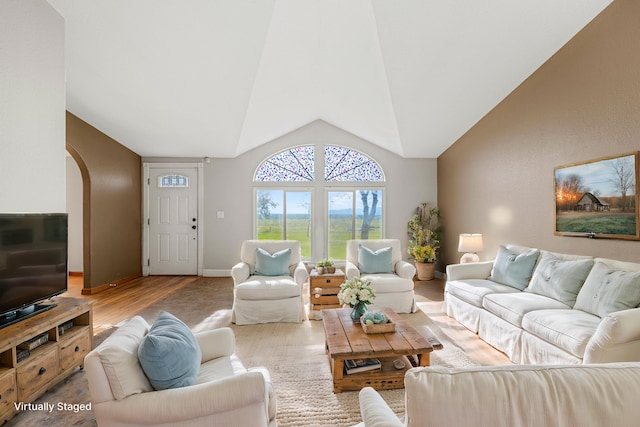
[(293, 353)]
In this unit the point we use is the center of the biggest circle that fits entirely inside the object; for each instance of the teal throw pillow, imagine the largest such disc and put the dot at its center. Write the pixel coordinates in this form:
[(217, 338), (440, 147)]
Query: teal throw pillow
[(558, 278), (169, 354), (607, 290), (514, 269), (276, 264), (370, 261)]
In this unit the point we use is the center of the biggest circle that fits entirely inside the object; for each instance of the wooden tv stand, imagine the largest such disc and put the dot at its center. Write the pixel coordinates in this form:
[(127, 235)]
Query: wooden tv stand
[(25, 380)]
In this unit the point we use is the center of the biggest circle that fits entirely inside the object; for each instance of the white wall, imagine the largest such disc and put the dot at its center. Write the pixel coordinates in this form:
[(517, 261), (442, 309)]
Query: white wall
[(228, 187), (75, 210), (32, 107)]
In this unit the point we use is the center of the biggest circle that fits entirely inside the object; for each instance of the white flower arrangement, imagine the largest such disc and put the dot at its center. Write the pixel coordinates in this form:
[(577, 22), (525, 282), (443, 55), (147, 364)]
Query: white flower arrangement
[(355, 291)]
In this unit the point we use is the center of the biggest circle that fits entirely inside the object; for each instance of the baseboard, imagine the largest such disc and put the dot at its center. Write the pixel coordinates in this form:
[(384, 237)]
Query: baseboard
[(95, 289), (212, 272)]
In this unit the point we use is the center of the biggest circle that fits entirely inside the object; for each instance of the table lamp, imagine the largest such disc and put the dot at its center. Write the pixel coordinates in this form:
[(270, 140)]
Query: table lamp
[(470, 244)]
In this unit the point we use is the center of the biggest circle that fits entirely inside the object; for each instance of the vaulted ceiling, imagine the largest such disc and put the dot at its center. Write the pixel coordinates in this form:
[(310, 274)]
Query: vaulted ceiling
[(216, 78)]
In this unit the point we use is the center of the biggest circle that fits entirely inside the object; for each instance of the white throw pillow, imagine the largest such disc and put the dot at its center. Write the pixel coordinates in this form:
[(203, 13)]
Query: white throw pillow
[(607, 290), (558, 278), (119, 357)]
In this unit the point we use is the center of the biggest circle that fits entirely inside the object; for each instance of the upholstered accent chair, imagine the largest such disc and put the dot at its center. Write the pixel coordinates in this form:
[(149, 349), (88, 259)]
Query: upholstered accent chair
[(268, 283), (380, 261), (225, 393)]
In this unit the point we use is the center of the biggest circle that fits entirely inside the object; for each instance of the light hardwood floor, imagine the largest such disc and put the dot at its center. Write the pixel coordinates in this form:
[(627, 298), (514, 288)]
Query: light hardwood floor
[(116, 304)]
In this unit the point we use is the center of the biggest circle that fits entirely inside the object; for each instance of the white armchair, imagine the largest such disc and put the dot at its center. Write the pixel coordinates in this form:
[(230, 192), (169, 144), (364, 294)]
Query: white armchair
[(393, 283), (273, 297), (226, 393), (512, 395)]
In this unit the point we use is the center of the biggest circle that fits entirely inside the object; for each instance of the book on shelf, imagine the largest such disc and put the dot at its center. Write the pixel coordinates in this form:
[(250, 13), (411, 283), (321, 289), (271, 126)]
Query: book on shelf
[(352, 366), (65, 326), (34, 342), (22, 354)]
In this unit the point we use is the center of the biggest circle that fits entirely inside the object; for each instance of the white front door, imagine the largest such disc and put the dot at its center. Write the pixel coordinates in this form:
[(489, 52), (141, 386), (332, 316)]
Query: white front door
[(173, 221)]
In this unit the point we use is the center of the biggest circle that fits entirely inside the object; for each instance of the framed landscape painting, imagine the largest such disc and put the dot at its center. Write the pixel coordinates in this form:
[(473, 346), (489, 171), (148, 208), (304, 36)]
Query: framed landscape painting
[(598, 198)]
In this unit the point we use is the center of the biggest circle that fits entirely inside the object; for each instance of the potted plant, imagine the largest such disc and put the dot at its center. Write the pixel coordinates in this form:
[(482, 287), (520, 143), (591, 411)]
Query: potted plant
[(424, 240), (357, 294), (325, 266)]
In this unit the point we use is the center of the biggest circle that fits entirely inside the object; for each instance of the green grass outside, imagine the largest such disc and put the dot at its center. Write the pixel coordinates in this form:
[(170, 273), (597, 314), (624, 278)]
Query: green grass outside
[(297, 229), (596, 222)]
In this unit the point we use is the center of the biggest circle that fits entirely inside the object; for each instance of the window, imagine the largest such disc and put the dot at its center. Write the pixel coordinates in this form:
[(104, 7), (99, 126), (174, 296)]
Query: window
[(284, 214), (344, 164), (283, 199), (353, 214), (173, 181)]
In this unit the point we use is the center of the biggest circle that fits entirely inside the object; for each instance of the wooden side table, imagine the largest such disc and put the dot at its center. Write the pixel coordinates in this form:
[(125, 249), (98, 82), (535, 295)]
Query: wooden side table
[(323, 289)]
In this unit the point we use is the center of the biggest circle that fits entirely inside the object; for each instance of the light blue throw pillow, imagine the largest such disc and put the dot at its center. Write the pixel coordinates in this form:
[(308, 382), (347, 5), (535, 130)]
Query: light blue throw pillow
[(558, 278), (276, 264), (374, 261), (607, 290), (169, 354), (514, 269)]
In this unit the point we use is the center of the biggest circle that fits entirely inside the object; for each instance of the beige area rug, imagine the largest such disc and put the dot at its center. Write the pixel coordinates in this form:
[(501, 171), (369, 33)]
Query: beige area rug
[(293, 353)]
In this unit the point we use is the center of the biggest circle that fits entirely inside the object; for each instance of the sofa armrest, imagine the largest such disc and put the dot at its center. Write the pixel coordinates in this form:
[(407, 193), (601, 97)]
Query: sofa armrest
[(617, 338), (300, 273), (375, 411), (216, 343), (472, 270), (243, 395), (405, 269), (351, 271), (240, 272)]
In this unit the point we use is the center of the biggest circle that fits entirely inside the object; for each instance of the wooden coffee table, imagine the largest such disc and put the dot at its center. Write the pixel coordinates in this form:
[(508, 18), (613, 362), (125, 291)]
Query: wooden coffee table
[(345, 339)]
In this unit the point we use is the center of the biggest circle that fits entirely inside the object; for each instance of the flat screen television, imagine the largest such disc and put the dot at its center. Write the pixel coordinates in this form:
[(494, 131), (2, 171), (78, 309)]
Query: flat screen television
[(33, 263)]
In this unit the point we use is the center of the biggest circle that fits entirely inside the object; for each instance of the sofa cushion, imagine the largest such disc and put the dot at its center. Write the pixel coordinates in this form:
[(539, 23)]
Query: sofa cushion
[(267, 287), (513, 306), (378, 261), (388, 283), (558, 278), (169, 354), (473, 291), (119, 358), (607, 290), (276, 264), (518, 395), (514, 269), (568, 329)]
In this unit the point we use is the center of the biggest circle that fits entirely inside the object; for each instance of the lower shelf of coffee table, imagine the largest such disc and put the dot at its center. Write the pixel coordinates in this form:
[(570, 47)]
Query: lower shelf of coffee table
[(386, 378)]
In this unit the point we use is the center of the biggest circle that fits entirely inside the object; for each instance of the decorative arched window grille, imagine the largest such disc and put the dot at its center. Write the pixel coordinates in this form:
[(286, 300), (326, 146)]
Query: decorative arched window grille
[(344, 164), (293, 165), (341, 164)]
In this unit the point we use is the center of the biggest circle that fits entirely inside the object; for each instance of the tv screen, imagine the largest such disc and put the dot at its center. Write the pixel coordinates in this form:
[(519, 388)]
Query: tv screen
[(33, 259)]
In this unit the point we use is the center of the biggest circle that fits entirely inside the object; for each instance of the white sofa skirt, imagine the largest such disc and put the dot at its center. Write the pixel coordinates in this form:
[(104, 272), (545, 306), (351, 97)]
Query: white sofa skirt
[(466, 314), (248, 312), (500, 334), (539, 352)]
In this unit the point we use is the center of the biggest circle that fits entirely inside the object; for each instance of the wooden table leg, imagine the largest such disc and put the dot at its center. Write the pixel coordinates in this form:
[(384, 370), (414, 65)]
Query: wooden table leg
[(338, 373), (424, 359)]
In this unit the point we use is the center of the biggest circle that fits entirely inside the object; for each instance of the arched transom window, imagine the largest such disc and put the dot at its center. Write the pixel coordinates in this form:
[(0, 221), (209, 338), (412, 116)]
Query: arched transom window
[(352, 188)]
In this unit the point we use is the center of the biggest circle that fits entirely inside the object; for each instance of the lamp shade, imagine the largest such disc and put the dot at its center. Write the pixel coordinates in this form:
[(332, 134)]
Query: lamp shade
[(470, 243)]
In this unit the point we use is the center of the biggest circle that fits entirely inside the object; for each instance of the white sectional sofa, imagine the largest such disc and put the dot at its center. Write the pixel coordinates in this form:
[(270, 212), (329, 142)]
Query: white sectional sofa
[(541, 307), (512, 395)]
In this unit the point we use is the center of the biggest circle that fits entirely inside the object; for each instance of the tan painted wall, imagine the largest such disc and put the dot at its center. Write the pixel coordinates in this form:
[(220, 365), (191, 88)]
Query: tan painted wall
[(112, 177), (584, 103)]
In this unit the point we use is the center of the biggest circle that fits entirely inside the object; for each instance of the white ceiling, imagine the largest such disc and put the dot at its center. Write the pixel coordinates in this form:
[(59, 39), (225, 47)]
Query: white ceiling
[(217, 78)]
